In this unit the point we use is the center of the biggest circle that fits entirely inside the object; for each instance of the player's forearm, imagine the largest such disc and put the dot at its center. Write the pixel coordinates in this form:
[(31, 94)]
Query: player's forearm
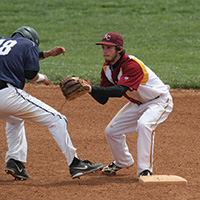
[(44, 54), (53, 52), (102, 94), (41, 78), (100, 99), (111, 91), (38, 78)]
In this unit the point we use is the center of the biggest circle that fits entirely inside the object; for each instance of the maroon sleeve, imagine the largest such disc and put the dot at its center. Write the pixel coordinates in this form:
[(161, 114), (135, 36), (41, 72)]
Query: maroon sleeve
[(132, 75)]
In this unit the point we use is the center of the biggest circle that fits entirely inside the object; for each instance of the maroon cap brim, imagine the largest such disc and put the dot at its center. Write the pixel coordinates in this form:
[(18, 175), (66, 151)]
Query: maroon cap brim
[(106, 43)]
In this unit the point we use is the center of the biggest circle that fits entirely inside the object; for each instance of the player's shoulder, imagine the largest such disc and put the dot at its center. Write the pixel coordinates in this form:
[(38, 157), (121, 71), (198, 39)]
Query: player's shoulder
[(3, 38), (23, 41), (130, 64), (129, 60), (134, 59)]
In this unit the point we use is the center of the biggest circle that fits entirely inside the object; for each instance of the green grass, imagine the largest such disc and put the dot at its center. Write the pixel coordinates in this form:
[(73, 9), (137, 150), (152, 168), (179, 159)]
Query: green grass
[(162, 33)]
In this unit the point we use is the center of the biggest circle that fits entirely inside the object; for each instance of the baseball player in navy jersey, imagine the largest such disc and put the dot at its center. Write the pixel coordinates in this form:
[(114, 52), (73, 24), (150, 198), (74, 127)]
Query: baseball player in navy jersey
[(19, 61), (149, 105)]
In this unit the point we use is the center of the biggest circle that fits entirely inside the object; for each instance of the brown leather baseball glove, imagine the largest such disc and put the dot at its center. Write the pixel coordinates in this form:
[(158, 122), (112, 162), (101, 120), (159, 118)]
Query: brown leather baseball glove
[(73, 87)]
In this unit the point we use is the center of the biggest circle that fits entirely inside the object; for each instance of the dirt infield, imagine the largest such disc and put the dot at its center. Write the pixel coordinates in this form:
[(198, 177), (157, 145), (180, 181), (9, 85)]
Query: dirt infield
[(177, 148)]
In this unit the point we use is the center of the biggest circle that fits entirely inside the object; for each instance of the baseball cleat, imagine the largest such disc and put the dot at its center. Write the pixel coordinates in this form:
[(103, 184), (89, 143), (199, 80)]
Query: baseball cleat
[(145, 173), (16, 169), (111, 169), (84, 167)]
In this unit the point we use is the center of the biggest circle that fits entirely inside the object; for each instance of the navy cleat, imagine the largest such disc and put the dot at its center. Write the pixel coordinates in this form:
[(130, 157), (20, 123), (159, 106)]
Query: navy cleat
[(111, 169), (16, 169), (145, 173), (83, 167)]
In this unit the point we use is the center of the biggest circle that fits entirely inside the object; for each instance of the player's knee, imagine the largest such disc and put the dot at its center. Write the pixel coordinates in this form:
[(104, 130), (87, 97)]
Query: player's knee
[(141, 126), (16, 121), (108, 131)]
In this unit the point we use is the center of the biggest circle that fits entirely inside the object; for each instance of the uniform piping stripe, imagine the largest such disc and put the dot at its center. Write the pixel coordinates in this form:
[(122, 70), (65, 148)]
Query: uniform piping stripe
[(153, 131), (152, 134), (121, 71), (38, 105), (146, 76), (104, 69)]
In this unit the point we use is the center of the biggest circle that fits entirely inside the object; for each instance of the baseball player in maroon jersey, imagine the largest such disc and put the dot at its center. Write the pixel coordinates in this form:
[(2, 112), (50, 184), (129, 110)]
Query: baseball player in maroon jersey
[(149, 105), (19, 61)]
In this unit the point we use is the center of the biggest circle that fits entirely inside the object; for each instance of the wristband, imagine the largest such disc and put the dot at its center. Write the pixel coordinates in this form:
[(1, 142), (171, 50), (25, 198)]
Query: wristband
[(41, 77), (41, 54)]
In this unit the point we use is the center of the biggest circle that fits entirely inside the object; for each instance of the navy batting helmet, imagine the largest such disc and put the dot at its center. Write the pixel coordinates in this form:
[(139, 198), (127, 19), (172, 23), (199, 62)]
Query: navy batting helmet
[(29, 33)]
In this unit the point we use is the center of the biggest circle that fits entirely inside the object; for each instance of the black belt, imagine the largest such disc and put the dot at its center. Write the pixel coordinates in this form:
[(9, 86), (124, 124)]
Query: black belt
[(139, 103), (3, 85)]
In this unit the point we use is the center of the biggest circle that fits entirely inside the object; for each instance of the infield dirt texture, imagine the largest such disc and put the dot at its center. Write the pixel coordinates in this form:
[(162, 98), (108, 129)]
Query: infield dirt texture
[(164, 34), (176, 152)]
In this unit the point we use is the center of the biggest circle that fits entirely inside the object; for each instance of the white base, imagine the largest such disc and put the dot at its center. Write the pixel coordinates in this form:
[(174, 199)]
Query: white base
[(162, 179)]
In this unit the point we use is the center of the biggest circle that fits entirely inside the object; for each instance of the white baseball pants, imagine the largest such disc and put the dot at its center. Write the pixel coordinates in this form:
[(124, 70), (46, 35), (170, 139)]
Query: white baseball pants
[(143, 119), (16, 106)]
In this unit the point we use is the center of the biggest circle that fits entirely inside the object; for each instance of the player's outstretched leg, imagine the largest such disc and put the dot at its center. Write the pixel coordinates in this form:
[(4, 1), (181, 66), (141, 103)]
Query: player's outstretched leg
[(81, 167)]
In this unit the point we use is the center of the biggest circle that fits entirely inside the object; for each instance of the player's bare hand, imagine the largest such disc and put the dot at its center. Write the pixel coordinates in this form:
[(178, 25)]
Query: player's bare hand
[(54, 52), (46, 81)]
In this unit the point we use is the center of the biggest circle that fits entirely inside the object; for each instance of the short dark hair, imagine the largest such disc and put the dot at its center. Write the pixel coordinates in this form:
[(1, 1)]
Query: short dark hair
[(118, 48)]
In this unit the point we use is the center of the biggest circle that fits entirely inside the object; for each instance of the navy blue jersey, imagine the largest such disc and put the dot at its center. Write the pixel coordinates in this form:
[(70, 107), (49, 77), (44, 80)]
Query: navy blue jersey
[(17, 54)]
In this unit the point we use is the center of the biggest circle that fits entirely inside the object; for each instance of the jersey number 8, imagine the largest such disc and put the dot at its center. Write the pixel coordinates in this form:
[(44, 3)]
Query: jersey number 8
[(6, 47)]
